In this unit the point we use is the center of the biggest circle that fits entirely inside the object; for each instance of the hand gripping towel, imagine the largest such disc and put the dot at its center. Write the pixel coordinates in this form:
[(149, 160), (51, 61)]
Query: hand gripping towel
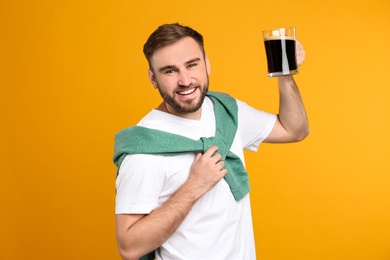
[(143, 140)]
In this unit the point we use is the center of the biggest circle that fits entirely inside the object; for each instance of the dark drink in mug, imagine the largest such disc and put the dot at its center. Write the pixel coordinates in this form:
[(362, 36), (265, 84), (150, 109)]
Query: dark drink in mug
[(280, 50)]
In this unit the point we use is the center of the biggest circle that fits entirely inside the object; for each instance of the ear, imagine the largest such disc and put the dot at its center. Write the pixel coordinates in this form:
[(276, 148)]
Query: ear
[(152, 78), (208, 67)]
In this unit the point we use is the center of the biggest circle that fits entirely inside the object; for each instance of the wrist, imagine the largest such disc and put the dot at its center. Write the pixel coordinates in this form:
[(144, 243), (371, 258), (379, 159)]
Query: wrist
[(286, 78), (189, 191), (286, 81)]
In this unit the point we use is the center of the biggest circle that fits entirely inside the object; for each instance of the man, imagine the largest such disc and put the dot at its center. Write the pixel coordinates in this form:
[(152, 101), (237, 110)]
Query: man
[(182, 206)]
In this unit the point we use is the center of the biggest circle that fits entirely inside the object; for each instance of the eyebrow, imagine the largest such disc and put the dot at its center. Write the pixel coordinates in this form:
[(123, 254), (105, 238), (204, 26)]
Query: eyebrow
[(193, 60), (168, 67)]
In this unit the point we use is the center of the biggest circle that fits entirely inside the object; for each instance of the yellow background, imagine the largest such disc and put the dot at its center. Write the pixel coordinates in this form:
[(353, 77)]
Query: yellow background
[(72, 74)]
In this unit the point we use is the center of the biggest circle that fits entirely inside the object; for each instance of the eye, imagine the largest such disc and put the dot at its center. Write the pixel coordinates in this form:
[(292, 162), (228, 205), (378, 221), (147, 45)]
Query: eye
[(170, 71), (191, 65)]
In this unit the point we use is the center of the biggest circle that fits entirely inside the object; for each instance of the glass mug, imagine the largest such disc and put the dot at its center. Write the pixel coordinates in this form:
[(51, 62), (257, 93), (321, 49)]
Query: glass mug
[(280, 50)]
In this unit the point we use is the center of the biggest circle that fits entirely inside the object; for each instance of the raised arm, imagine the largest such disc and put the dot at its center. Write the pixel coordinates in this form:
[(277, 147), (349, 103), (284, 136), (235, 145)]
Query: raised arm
[(139, 234), (292, 124)]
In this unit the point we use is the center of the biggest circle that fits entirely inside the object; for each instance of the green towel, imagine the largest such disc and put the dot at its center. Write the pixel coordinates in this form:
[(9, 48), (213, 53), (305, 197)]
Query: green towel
[(142, 140)]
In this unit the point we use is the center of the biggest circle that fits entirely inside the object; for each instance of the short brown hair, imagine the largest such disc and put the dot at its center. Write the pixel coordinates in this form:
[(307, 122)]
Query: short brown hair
[(168, 34)]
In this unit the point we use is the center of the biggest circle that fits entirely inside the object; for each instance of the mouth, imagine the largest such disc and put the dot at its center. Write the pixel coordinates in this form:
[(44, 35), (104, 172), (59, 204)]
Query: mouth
[(187, 92)]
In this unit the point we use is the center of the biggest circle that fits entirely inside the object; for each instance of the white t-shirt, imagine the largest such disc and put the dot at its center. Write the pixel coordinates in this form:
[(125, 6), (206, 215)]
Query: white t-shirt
[(217, 227)]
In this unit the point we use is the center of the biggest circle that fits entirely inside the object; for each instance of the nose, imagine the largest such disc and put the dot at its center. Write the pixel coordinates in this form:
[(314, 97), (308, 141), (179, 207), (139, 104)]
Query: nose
[(184, 79)]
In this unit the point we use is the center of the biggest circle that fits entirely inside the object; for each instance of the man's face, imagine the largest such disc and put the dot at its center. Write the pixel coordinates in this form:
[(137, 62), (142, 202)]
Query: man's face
[(180, 72)]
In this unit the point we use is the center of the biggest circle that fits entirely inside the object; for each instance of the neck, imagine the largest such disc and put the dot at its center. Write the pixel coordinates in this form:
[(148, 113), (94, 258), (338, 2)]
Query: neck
[(167, 109)]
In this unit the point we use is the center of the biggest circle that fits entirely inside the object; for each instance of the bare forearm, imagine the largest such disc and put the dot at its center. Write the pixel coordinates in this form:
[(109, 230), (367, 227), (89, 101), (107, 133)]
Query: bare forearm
[(151, 231), (292, 113)]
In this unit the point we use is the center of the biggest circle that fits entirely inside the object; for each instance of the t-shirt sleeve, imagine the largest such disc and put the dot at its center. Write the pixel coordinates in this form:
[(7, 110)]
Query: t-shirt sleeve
[(255, 125), (138, 184)]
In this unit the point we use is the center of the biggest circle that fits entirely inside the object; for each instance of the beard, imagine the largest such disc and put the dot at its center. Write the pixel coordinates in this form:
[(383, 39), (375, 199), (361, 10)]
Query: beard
[(189, 106)]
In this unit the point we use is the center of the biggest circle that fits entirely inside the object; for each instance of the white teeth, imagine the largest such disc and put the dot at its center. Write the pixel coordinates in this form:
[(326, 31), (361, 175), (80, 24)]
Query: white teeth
[(187, 91)]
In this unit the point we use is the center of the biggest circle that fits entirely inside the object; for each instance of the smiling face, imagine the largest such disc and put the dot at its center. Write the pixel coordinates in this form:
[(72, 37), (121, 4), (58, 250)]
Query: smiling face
[(180, 72)]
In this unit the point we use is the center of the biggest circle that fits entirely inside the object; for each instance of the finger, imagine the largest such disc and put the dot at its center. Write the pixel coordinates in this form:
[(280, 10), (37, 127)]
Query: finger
[(221, 164), (211, 151), (300, 53), (217, 157), (197, 157), (300, 59), (223, 172)]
